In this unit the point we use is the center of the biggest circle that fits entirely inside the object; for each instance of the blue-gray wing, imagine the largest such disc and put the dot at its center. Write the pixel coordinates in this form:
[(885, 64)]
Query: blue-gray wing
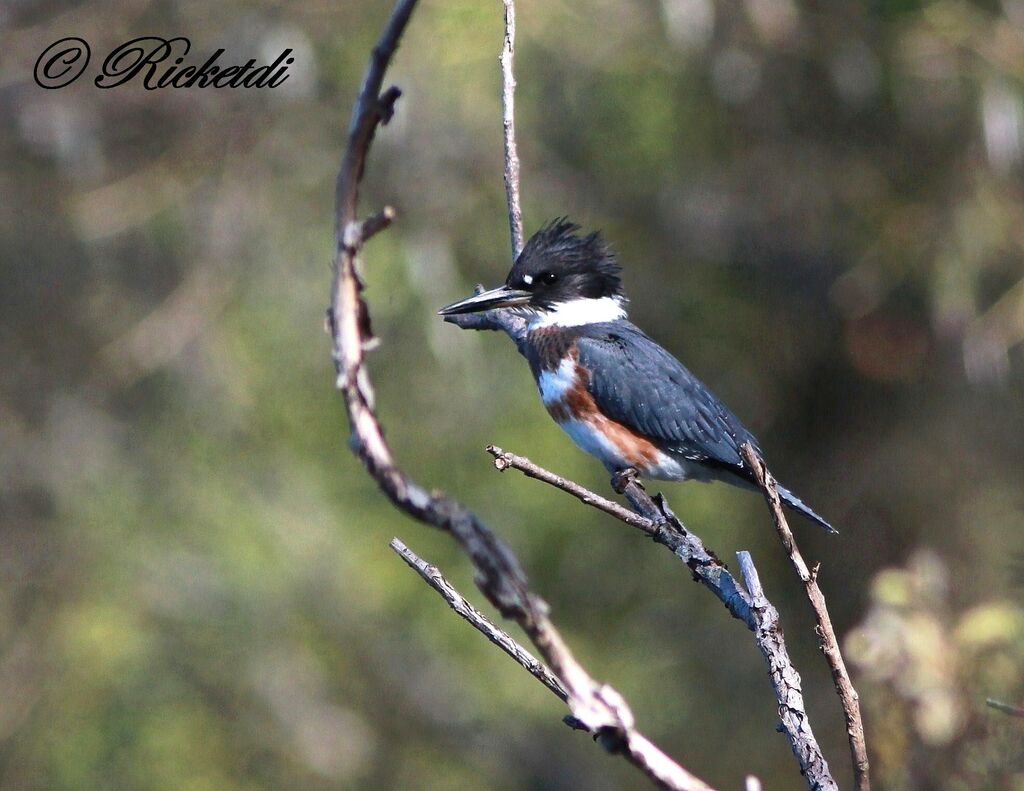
[(637, 383)]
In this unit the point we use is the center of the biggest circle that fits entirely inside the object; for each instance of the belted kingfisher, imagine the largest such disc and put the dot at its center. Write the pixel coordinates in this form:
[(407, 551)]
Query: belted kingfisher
[(619, 395)]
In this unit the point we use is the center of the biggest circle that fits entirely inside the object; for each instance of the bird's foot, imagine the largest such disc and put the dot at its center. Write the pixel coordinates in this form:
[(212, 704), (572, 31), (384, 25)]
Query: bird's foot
[(623, 478)]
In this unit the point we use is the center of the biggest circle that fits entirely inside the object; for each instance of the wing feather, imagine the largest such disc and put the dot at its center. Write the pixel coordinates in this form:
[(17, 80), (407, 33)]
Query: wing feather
[(638, 383)]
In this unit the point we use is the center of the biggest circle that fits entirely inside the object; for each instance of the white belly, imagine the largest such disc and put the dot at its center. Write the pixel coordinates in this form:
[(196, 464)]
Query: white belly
[(588, 435), (590, 438)]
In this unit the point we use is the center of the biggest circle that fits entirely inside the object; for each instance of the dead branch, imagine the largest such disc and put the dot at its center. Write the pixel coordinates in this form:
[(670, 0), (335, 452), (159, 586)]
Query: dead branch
[(654, 517), (435, 579), (498, 574), (826, 633), (657, 761), (1005, 708), (508, 117), (504, 460)]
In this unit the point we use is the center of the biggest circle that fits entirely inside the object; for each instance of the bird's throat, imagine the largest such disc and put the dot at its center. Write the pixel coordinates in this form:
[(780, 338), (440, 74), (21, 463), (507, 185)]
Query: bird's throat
[(578, 312)]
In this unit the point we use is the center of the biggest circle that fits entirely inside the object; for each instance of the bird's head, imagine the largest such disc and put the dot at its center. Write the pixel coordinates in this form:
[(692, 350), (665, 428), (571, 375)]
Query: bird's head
[(560, 277)]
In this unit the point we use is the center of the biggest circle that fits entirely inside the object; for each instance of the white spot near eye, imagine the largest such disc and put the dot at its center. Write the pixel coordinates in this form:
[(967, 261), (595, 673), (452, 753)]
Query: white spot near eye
[(528, 279)]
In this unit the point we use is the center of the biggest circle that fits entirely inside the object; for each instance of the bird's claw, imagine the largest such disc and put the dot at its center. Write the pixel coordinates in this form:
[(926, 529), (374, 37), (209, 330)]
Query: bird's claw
[(623, 478)]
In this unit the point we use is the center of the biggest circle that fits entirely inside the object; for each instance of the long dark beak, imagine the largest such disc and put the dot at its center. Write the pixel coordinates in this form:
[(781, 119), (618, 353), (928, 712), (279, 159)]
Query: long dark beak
[(500, 297)]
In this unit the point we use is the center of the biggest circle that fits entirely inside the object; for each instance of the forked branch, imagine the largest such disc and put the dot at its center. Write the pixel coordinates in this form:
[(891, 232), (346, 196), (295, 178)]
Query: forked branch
[(826, 633), (654, 518)]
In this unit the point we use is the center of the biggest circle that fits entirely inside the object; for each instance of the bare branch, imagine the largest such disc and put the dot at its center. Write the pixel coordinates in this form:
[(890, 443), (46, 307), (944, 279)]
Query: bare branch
[(498, 574), (371, 108), (1006, 708), (508, 113), (654, 517), (826, 633), (373, 225), (785, 679), (504, 460), (436, 580), (654, 763), (638, 749)]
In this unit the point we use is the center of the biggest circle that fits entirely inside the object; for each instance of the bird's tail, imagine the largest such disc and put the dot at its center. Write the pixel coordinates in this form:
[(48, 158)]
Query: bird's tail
[(801, 508)]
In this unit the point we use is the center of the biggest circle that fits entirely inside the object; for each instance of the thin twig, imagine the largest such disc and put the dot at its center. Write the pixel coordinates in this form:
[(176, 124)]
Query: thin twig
[(826, 633), (654, 517), (432, 575), (435, 579), (1006, 708), (498, 574), (504, 460), (508, 117)]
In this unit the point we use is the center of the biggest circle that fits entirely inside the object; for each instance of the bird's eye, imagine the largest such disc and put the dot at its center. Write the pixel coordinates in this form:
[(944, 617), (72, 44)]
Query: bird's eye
[(548, 278)]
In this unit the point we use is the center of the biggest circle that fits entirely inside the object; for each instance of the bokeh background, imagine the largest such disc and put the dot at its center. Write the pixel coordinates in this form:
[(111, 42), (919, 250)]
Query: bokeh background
[(819, 208)]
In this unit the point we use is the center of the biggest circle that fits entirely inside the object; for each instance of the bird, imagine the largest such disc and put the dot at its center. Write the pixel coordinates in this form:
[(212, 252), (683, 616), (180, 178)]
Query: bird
[(618, 394)]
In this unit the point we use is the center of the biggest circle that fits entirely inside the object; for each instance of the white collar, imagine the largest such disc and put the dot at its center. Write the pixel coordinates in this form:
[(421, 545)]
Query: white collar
[(577, 312)]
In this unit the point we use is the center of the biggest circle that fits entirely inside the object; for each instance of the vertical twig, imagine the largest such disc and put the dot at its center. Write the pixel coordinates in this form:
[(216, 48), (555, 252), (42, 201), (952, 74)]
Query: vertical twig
[(826, 633), (508, 116)]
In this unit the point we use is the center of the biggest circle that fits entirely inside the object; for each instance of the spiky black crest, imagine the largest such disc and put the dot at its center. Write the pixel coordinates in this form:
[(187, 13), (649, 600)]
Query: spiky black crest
[(558, 264), (560, 240)]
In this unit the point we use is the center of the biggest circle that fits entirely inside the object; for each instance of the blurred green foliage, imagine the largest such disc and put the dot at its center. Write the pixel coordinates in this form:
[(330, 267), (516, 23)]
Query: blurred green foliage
[(927, 670), (819, 209)]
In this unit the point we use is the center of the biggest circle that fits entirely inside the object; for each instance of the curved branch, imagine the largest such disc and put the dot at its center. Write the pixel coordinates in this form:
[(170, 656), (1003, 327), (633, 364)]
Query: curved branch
[(498, 574)]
